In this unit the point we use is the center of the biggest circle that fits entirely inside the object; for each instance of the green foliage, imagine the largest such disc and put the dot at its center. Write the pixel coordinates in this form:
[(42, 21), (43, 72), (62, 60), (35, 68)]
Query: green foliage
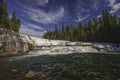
[(104, 29), (4, 21), (13, 23)]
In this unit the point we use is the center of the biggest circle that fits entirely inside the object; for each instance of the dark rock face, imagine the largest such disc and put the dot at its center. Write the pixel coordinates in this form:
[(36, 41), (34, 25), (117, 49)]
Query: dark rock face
[(11, 43)]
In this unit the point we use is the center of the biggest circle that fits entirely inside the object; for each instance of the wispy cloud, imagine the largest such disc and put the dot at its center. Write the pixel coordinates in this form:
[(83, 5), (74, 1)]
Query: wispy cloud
[(33, 3), (111, 2), (32, 26), (82, 18), (79, 6), (96, 4), (82, 12), (99, 16), (41, 2), (115, 8), (45, 17), (41, 16), (30, 32), (30, 29), (37, 15)]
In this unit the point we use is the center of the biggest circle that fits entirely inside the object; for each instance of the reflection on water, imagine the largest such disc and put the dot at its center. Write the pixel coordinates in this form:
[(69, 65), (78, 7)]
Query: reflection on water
[(86, 66)]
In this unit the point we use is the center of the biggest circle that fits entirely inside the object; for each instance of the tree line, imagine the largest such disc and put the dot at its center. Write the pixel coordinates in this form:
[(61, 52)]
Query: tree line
[(103, 29), (10, 24)]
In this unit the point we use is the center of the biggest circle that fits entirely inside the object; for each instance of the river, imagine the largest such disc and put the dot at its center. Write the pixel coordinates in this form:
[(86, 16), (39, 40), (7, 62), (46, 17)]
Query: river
[(75, 66)]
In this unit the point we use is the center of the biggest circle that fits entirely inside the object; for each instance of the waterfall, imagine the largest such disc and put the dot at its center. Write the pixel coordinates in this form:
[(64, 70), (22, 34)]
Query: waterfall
[(25, 47), (14, 44)]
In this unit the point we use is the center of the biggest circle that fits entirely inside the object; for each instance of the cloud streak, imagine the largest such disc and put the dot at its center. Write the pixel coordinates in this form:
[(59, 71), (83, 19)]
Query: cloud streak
[(111, 2), (32, 26), (37, 15), (115, 8), (81, 18), (43, 17), (31, 32), (40, 16)]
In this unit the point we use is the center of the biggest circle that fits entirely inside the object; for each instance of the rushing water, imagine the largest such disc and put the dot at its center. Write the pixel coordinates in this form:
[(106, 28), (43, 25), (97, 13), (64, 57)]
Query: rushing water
[(82, 66)]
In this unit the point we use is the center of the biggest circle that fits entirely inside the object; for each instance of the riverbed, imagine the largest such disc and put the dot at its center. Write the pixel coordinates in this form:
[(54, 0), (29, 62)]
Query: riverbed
[(74, 66)]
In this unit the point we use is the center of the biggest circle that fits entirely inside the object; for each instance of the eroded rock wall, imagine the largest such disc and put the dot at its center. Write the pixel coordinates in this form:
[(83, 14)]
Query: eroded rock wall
[(11, 43)]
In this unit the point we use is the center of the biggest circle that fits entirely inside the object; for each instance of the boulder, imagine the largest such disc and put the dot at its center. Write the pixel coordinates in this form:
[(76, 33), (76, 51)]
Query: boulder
[(14, 71), (30, 75)]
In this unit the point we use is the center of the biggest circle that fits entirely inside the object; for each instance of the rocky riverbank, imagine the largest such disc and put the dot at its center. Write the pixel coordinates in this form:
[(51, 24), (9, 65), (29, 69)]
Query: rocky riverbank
[(62, 67), (12, 43)]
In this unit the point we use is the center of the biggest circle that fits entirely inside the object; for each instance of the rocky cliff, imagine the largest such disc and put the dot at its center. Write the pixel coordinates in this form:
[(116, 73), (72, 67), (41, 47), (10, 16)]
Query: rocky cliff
[(11, 43)]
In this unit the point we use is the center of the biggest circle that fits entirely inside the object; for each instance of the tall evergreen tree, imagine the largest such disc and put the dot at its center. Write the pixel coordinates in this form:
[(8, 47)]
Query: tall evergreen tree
[(104, 29), (15, 22), (4, 20)]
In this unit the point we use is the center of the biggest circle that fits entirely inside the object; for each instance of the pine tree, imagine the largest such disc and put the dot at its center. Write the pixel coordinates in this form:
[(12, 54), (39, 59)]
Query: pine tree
[(15, 23), (104, 29), (63, 32), (72, 30), (4, 20)]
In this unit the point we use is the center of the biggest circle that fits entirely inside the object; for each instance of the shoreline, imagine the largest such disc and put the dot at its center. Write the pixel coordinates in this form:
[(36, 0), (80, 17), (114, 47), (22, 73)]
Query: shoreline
[(11, 45), (56, 50)]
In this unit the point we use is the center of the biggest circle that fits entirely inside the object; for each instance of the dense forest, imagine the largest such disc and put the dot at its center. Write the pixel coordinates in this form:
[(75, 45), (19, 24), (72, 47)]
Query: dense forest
[(103, 29), (12, 24)]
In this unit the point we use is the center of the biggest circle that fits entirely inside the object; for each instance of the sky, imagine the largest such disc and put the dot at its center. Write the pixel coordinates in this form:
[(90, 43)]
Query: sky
[(38, 16)]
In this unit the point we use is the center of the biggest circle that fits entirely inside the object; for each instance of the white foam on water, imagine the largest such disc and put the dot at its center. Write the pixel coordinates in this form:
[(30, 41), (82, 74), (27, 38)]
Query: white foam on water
[(59, 50)]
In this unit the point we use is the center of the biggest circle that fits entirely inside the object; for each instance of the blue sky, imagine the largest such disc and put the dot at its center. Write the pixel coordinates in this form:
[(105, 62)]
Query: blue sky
[(37, 16)]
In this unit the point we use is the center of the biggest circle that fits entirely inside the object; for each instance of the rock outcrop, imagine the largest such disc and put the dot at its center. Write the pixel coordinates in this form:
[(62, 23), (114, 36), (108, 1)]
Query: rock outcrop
[(30, 75), (12, 43), (14, 71), (39, 43)]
